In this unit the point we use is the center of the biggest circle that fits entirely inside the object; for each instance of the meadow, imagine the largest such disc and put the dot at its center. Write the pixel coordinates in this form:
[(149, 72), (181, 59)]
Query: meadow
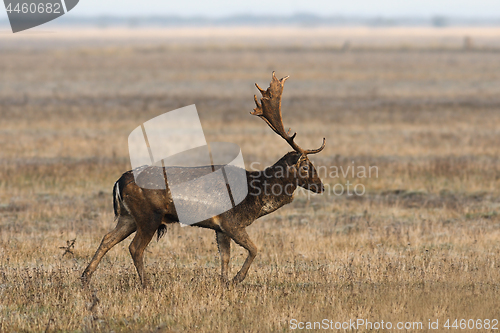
[(422, 243)]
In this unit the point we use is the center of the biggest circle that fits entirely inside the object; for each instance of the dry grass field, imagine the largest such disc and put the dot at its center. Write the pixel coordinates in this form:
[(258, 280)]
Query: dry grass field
[(422, 243)]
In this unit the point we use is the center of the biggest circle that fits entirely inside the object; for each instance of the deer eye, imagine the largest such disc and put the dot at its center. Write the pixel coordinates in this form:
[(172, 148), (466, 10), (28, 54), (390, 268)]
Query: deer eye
[(305, 168)]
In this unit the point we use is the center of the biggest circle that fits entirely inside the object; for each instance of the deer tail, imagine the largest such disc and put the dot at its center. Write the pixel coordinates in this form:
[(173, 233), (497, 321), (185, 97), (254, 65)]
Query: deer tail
[(117, 198)]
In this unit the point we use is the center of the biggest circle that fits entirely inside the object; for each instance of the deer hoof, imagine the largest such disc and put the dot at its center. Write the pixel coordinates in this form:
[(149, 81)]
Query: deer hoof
[(237, 279), (85, 281)]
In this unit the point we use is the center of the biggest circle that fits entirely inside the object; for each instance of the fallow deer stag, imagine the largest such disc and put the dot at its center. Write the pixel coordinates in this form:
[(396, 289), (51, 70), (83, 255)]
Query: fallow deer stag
[(147, 211)]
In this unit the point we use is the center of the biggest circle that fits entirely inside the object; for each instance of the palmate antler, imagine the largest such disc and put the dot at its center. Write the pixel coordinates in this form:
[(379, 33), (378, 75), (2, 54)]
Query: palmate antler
[(269, 109)]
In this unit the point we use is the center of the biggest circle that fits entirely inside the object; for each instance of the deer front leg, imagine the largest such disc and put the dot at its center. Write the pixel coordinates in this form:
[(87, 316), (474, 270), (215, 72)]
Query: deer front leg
[(224, 245), (241, 238)]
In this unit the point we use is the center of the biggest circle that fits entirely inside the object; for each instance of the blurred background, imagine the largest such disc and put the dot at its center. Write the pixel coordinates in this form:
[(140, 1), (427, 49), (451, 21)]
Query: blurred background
[(410, 87)]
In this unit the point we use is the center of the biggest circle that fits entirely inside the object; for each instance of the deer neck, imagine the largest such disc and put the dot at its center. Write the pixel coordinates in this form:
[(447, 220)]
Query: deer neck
[(274, 187)]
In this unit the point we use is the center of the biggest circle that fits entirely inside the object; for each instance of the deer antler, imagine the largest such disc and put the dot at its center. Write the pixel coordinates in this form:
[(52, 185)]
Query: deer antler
[(269, 109)]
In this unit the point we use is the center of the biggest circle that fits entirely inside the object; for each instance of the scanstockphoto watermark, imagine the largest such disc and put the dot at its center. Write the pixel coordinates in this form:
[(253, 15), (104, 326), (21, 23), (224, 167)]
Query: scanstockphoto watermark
[(337, 180), (26, 14), (360, 324), (380, 325)]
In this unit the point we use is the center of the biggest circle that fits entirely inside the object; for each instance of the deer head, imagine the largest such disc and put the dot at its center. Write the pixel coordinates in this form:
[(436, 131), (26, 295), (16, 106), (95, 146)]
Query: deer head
[(269, 109)]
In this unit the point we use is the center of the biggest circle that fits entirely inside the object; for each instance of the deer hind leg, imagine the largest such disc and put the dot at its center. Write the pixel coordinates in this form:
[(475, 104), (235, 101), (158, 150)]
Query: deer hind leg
[(241, 238), (124, 227), (224, 245), (139, 244)]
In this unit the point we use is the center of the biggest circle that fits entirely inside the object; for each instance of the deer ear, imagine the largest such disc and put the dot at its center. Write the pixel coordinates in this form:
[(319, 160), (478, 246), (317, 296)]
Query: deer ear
[(293, 158), (292, 161)]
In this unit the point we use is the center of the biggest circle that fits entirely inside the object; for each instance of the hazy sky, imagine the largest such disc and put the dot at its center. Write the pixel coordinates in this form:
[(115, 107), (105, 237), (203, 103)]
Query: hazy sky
[(218, 8)]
